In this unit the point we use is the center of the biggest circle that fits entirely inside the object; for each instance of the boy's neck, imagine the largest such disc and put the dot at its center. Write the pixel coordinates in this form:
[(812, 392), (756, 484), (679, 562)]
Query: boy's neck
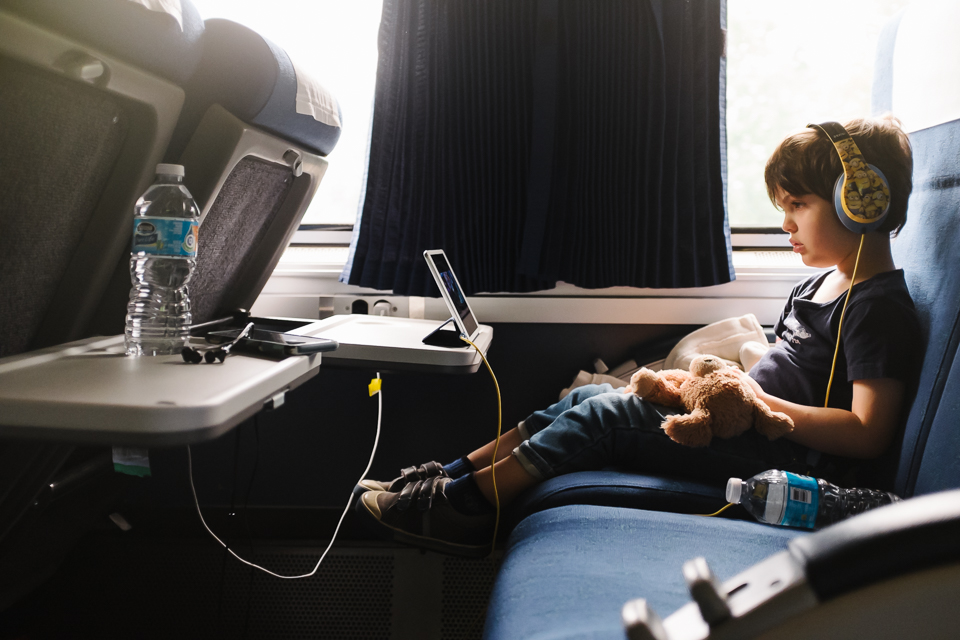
[(875, 258)]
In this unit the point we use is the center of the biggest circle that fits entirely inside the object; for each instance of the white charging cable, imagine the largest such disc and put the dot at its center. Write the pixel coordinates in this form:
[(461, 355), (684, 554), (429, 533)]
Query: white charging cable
[(374, 388)]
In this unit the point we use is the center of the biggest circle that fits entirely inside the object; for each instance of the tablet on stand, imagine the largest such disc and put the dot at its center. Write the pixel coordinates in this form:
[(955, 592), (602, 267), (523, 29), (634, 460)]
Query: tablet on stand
[(461, 315)]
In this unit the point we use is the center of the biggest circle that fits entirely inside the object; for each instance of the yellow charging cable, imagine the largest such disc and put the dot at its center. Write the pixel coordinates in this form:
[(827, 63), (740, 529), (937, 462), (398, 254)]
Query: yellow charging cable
[(715, 513), (853, 278), (496, 445)]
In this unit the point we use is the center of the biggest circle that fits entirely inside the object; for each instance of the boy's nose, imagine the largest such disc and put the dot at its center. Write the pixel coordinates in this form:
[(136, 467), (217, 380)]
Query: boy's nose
[(788, 225)]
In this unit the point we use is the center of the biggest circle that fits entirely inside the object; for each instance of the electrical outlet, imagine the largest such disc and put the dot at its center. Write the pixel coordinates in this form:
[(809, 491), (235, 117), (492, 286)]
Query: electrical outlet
[(396, 306)]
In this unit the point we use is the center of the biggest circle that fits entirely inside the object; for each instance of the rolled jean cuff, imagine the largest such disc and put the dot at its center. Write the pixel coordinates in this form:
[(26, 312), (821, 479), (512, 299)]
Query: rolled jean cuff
[(524, 432), (532, 462)]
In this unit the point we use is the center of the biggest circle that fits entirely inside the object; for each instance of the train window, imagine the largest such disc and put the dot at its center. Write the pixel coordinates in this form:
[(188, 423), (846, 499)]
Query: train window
[(787, 64), (790, 63), (336, 42)]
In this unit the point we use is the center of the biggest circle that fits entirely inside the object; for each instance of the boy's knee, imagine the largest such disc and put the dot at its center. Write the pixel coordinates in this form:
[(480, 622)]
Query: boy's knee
[(589, 391), (610, 410)]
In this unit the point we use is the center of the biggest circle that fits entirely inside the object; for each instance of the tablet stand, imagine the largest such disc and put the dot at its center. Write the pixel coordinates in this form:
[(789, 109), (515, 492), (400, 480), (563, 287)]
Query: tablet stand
[(441, 337)]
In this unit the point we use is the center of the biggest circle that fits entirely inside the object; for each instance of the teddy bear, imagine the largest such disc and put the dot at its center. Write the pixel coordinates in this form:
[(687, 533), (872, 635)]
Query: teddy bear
[(718, 402)]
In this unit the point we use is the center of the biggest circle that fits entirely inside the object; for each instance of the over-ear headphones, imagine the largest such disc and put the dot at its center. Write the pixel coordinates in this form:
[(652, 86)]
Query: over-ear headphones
[(196, 355), (861, 195)]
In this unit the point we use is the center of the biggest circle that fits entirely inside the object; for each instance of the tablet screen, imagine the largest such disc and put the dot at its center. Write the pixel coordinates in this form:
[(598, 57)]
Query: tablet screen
[(450, 288)]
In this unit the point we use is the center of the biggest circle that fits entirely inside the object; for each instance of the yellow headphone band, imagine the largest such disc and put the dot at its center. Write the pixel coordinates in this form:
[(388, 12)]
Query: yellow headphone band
[(863, 196)]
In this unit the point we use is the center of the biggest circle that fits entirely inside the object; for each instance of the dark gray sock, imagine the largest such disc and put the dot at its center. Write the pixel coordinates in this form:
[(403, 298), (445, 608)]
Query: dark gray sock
[(459, 468)]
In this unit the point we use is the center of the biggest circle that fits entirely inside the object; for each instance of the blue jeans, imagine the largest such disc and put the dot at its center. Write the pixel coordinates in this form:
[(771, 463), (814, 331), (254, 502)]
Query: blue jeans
[(597, 426)]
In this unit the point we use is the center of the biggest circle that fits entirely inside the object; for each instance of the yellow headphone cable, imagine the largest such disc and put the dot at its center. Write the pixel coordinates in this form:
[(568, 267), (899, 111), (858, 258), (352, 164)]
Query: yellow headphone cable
[(853, 278)]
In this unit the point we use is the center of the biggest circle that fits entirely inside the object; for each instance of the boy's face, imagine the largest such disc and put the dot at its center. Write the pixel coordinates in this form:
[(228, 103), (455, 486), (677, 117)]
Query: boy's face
[(816, 232)]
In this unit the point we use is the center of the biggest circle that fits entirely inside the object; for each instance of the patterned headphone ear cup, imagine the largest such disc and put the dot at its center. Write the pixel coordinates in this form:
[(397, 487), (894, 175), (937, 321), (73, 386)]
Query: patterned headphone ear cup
[(191, 355)]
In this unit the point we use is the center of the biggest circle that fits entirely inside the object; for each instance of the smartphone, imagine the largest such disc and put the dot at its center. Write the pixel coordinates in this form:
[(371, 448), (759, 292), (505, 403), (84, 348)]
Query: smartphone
[(274, 342)]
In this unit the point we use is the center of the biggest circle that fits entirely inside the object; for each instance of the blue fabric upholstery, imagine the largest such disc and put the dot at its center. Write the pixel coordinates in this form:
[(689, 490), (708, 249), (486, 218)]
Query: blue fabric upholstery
[(568, 571), (618, 489), (253, 79), (926, 249), (151, 40), (280, 116)]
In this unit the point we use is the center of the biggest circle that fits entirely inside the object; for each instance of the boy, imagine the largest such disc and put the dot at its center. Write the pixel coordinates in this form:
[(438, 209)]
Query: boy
[(450, 508)]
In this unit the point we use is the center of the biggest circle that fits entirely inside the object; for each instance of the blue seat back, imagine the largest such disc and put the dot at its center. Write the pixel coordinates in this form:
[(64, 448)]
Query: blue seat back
[(927, 248)]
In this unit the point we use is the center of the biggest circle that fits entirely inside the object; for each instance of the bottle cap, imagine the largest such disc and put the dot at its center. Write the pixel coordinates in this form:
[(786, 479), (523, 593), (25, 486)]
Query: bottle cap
[(734, 486), (170, 169)]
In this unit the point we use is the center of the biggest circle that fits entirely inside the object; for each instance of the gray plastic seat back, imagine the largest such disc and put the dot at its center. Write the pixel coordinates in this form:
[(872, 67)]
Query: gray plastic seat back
[(82, 132)]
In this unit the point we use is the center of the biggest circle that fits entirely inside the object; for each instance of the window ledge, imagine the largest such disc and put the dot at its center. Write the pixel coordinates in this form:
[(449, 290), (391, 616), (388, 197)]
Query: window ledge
[(764, 279)]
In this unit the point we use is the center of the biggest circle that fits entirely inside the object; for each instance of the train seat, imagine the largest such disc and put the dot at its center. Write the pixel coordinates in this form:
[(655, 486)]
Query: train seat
[(568, 570), (253, 129), (259, 83), (94, 95), (90, 99)]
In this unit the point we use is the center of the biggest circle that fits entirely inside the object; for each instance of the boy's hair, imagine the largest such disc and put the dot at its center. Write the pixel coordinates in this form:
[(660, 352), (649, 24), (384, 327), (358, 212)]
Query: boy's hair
[(807, 162)]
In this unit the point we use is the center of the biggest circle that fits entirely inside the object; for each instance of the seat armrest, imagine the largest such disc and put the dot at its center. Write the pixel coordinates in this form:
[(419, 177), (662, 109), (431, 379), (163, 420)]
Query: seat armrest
[(861, 554), (884, 543)]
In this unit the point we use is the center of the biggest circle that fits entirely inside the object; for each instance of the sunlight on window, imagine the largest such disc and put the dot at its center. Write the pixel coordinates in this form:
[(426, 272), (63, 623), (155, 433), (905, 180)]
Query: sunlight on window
[(336, 43), (788, 64)]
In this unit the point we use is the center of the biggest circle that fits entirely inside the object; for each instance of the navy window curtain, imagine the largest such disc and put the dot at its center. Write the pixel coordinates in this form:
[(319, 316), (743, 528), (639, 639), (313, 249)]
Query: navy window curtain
[(538, 141)]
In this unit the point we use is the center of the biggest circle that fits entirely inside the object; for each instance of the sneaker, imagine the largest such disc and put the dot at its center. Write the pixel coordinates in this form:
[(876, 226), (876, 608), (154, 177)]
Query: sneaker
[(422, 516), (407, 476)]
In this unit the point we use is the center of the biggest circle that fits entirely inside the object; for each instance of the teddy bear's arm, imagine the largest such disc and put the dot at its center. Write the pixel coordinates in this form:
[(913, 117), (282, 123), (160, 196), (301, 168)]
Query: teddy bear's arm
[(772, 424), (692, 429)]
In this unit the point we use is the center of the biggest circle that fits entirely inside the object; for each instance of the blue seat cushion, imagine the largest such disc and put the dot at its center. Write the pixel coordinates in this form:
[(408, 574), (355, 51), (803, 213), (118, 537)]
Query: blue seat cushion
[(613, 488), (567, 572)]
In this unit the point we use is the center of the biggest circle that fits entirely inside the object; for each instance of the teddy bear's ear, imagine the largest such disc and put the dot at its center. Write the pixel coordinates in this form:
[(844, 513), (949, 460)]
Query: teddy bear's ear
[(706, 364)]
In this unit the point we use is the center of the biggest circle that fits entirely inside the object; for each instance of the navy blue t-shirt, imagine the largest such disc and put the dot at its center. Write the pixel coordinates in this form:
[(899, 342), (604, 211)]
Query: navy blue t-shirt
[(881, 339)]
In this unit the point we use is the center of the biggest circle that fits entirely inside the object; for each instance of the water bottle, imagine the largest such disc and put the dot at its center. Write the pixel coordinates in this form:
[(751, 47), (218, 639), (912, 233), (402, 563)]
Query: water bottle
[(162, 258), (792, 500)]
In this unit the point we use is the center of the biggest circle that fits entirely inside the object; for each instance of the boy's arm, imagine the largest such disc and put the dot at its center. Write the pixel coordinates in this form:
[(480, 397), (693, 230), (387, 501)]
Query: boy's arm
[(863, 432)]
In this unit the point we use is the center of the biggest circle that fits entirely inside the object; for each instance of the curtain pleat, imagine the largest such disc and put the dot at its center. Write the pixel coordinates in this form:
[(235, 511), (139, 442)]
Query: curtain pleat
[(545, 141)]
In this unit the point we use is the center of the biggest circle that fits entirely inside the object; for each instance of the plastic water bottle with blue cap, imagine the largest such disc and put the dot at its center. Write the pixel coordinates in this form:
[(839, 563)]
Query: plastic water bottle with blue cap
[(163, 256), (794, 500)]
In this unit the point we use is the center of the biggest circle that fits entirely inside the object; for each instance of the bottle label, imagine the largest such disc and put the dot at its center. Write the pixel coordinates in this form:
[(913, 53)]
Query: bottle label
[(165, 236), (773, 510), (803, 500)]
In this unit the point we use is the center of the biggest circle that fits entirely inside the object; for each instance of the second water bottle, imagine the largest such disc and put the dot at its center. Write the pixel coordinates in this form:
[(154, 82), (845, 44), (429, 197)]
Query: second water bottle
[(793, 500)]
